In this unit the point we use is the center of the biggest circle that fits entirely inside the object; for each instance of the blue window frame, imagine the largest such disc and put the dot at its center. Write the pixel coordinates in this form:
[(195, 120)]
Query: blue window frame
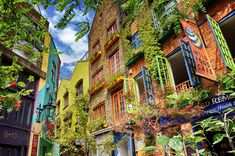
[(135, 41), (148, 86), (190, 63)]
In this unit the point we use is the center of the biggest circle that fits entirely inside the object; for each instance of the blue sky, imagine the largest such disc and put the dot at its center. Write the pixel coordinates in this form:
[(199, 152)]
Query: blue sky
[(65, 39)]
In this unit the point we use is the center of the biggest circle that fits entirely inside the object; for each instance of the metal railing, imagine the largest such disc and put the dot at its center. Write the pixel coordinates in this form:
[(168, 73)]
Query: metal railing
[(183, 86), (85, 57)]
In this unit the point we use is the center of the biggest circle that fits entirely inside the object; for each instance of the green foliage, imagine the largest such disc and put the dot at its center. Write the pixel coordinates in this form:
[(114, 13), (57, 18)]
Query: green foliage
[(79, 131), (148, 36), (113, 78), (228, 83), (184, 98), (223, 129), (18, 30), (8, 78)]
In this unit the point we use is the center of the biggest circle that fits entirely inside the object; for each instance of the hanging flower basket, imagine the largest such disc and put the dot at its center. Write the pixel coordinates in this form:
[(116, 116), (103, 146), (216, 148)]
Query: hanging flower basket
[(97, 87), (110, 42), (95, 57), (116, 82)]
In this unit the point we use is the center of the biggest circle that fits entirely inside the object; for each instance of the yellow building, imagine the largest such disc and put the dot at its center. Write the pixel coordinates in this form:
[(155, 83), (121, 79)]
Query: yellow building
[(69, 89)]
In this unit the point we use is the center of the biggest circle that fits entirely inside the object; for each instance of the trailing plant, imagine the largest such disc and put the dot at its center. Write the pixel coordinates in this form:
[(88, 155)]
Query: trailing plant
[(184, 98), (112, 79), (149, 38), (110, 38)]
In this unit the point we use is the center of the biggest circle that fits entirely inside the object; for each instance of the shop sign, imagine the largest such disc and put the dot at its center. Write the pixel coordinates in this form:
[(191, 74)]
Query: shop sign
[(203, 65), (218, 104), (35, 145), (13, 136)]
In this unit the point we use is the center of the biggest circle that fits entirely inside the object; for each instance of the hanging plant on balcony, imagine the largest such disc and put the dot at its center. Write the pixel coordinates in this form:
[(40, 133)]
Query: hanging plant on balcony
[(11, 90), (97, 86), (115, 79), (112, 38), (94, 56)]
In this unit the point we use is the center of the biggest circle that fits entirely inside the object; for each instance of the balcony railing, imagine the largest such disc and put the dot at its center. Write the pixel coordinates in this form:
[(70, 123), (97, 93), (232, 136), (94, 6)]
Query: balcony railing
[(183, 86)]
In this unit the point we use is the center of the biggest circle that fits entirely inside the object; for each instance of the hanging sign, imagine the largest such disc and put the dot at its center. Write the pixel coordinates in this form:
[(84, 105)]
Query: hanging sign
[(203, 66)]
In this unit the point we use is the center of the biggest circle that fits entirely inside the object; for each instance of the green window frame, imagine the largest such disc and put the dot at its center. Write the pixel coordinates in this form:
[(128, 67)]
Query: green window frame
[(221, 43), (130, 94), (163, 71)]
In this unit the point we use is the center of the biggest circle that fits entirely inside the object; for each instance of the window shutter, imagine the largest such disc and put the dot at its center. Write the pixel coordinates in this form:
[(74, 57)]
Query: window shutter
[(148, 86), (189, 62), (130, 95), (163, 70), (221, 43)]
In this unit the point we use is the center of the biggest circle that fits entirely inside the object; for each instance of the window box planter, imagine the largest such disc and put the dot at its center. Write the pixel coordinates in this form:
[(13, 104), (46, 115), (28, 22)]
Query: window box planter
[(97, 87), (95, 57), (111, 40), (115, 82), (99, 124)]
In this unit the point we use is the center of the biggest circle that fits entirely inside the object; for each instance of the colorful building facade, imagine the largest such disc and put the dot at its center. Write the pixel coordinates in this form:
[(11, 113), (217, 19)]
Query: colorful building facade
[(110, 80), (46, 98), (67, 92), (15, 127)]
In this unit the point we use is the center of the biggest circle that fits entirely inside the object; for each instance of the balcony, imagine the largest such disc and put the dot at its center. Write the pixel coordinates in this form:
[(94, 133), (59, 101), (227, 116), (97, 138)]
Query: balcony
[(185, 86), (93, 58), (113, 38)]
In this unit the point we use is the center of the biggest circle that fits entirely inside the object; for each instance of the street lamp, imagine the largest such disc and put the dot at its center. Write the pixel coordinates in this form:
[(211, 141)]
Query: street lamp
[(39, 112), (48, 108)]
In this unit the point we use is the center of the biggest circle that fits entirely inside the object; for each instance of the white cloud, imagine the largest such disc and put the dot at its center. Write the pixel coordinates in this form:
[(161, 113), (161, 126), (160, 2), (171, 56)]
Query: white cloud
[(67, 37)]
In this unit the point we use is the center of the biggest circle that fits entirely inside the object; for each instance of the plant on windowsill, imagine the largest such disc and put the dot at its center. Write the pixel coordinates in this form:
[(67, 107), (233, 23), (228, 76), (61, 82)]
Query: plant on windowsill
[(100, 84), (112, 38), (184, 102), (94, 56), (115, 79), (99, 123)]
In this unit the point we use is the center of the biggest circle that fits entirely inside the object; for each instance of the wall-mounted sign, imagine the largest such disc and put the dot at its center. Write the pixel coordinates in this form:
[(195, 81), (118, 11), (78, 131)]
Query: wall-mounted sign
[(203, 66), (13, 136), (35, 145), (139, 144)]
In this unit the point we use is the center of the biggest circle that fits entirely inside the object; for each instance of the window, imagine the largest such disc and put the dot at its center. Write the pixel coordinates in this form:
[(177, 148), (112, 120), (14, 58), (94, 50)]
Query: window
[(98, 77), (112, 29), (224, 43), (115, 63), (58, 108), (99, 111), (135, 41), (66, 100), (118, 106), (166, 12), (53, 72), (79, 88), (96, 47)]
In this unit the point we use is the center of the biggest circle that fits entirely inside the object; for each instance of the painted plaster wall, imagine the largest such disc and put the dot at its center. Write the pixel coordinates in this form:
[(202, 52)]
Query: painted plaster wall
[(80, 73)]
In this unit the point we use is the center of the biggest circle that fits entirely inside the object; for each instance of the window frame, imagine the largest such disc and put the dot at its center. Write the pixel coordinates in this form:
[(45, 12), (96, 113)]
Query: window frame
[(66, 95), (96, 47), (99, 111), (112, 28), (96, 77), (113, 63), (58, 108), (79, 87), (120, 98)]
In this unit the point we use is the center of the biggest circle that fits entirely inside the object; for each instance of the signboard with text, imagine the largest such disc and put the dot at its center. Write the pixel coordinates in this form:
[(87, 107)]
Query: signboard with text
[(203, 66), (35, 145)]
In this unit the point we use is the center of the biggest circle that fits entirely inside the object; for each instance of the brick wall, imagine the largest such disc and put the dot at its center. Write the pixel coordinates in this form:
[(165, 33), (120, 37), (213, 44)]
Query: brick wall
[(105, 16)]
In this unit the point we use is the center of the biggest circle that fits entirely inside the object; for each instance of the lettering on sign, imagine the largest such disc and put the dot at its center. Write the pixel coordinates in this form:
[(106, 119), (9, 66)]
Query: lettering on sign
[(8, 134)]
